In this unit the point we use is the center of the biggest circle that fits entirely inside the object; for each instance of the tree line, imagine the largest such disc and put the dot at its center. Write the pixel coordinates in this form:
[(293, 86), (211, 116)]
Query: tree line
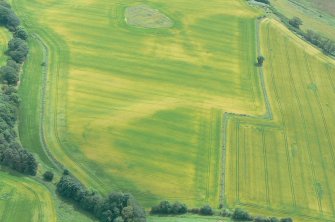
[(177, 208), (317, 39), (12, 154), (116, 207)]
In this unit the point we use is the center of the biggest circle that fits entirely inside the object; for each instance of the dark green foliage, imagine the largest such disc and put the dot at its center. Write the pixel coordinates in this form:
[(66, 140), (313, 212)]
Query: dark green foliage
[(260, 60), (115, 207), (18, 159), (206, 210), (48, 176), (9, 75), (295, 22), (325, 44), (21, 33), (12, 153), (17, 50), (165, 207), (274, 219), (241, 215), (263, 1), (66, 172), (286, 220), (8, 17)]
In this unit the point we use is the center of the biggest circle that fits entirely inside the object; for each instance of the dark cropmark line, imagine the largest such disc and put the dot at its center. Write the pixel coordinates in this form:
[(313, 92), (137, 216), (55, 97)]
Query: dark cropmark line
[(331, 147)]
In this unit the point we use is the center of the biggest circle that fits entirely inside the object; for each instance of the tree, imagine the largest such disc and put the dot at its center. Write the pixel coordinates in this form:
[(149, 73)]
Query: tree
[(9, 74), (241, 215), (48, 176), (179, 208), (17, 50), (115, 206), (21, 33), (328, 46), (295, 22), (260, 60), (206, 210)]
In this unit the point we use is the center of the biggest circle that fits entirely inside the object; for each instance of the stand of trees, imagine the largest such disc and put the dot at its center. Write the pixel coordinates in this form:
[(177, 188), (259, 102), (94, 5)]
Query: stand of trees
[(12, 153), (116, 207), (165, 207)]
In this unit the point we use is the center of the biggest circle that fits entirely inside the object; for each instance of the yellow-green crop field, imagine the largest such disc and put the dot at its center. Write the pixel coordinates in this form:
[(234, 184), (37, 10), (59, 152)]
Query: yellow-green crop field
[(23, 199), (285, 162), (153, 111), (138, 109)]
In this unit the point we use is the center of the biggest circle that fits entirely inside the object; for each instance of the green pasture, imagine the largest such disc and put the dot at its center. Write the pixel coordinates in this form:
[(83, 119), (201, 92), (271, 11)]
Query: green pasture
[(283, 164), (140, 110), (22, 199)]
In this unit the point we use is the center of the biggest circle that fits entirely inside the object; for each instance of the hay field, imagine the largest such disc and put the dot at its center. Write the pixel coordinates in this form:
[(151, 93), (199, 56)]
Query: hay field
[(284, 163), (22, 199), (141, 109)]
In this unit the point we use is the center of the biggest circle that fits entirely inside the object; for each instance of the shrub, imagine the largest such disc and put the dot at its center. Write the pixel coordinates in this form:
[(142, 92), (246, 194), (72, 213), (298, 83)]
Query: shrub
[(165, 207), (206, 210), (241, 215), (226, 213), (194, 211), (48, 176)]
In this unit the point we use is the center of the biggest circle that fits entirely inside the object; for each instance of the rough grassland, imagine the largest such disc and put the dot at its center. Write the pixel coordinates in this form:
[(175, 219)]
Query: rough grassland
[(140, 109), (22, 199), (285, 163)]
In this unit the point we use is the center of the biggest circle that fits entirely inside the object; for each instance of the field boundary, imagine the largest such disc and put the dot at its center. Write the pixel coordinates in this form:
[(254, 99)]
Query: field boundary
[(226, 116), (44, 144)]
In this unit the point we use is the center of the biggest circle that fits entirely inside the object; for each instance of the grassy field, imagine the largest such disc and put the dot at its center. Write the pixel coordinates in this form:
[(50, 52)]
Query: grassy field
[(285, 163), (22, 199), (141, 109), (4, 38), (317, 15)]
